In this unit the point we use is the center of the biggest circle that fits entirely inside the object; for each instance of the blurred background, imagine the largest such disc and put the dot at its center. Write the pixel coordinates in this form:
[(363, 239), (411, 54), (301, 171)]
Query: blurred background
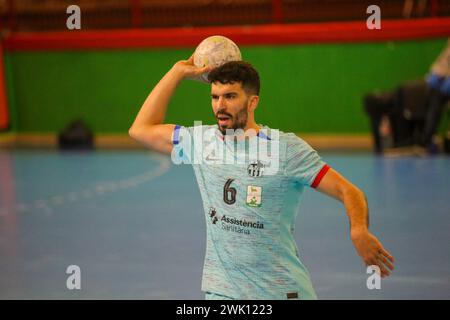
[(336, 73), (373, 102)]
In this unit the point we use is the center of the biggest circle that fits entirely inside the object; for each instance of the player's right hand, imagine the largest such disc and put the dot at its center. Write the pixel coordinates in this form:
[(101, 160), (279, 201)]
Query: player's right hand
[(189, 70)]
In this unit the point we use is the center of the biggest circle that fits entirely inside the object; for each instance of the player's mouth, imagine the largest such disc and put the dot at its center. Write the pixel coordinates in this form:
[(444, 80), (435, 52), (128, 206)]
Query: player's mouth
[(223, 120)]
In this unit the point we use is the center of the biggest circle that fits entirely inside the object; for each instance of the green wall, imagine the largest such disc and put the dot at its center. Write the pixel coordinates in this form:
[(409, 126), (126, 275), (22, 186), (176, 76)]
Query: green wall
[(305, 88)]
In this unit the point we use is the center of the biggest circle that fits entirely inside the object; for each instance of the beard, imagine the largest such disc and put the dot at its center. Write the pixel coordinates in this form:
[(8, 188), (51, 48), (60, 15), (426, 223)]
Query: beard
[(238, 121)]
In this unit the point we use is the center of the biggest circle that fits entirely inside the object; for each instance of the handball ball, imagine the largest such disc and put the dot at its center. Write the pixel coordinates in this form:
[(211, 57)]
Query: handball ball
[(215, 51)]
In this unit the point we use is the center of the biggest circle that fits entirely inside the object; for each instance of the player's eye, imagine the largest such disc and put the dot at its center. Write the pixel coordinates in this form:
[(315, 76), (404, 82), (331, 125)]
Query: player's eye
[(214, 97)]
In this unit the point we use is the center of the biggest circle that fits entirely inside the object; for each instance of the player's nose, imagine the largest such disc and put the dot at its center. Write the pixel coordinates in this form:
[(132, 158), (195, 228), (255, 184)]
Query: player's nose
[(221, 103)]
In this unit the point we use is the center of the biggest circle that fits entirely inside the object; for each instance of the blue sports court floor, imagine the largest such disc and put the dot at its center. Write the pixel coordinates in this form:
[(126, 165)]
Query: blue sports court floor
[(134, 224)]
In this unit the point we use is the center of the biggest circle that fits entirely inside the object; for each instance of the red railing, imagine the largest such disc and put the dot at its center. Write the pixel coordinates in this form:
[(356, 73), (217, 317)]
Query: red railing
[(27, 15), (274, 34)]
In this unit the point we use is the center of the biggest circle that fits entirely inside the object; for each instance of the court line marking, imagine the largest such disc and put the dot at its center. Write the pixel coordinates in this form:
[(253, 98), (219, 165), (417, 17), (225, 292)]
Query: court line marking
[(100, 189)]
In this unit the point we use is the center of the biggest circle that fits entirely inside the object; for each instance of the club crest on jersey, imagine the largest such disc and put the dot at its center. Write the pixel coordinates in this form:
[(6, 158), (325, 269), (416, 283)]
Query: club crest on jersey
[(255, 169), (254, 196)]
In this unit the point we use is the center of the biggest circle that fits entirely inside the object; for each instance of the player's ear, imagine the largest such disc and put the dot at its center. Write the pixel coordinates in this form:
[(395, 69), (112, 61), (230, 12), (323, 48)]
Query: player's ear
[(254, 100)]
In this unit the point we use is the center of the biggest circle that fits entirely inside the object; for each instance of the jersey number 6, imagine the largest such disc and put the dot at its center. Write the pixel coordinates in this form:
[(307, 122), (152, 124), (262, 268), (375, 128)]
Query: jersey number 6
[(229, 193)]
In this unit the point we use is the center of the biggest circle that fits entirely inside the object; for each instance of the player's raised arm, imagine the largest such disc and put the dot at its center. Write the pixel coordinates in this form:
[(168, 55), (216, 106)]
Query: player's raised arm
[(366, 244), (147, 127)]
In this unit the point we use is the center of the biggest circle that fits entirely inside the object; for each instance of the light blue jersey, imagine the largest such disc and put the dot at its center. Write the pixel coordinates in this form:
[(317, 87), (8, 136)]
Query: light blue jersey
[(250, 212)]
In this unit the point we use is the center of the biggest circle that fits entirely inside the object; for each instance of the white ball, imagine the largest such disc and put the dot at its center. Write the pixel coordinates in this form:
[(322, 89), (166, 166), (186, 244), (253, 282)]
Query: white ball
[(215, 51)]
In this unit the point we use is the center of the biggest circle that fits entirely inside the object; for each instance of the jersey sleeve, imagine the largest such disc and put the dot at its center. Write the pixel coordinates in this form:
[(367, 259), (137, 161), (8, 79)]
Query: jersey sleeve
[(303, 163), (182, 140)]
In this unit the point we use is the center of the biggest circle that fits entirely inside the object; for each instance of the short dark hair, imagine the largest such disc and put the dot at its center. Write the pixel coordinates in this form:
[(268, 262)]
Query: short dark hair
[(237, 71)]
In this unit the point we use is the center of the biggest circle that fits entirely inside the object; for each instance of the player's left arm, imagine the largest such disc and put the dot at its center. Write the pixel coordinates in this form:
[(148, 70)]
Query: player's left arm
[(367, 245)]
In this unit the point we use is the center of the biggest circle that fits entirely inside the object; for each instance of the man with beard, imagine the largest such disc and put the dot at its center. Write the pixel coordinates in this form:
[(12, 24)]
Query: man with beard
[(250, 210)]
